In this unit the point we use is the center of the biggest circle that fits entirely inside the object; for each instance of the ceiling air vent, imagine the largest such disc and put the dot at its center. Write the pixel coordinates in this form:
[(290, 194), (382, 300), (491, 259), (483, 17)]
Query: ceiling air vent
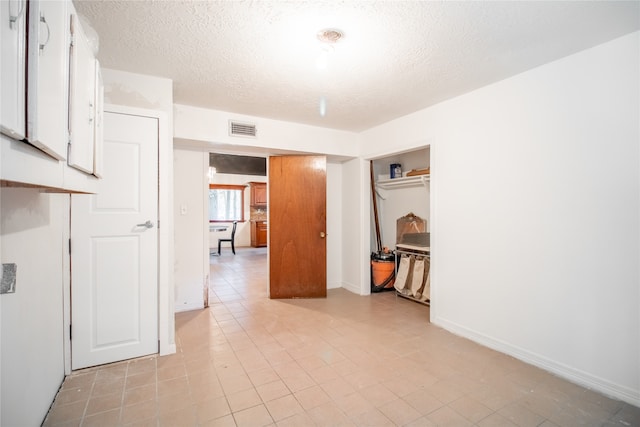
[(242, 129)]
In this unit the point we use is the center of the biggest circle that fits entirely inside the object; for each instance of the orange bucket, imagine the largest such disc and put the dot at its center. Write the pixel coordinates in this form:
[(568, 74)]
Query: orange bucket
[(382, 274)]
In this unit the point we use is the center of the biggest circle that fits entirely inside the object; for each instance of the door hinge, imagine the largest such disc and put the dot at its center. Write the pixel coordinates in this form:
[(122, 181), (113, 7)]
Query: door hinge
[(69, 331), (69, 246), (158, 223)]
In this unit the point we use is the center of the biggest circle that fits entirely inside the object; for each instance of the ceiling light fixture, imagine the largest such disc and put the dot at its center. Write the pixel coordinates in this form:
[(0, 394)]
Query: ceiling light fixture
[(328, 38)]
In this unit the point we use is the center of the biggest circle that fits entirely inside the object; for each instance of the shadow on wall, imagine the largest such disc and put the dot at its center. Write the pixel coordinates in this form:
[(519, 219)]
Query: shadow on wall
[(30, 209)]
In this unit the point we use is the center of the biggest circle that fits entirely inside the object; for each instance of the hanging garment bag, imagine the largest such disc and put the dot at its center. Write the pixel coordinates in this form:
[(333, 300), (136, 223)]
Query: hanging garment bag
[(426, 293), (404, 274), (423, 293), (417, 281)]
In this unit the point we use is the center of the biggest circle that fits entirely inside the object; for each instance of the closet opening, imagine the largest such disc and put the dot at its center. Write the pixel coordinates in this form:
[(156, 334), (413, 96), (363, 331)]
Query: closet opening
[(401, 225)]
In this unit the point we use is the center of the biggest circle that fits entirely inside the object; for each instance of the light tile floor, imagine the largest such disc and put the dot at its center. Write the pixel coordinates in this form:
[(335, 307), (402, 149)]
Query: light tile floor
[(345, 360)]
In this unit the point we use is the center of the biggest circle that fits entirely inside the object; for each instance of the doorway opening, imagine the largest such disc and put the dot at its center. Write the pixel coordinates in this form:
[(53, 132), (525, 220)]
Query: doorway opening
[(237, 193)]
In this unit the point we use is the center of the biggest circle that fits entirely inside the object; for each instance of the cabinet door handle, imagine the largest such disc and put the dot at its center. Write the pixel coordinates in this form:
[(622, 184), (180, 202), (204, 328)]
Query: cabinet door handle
[(44, 21), (323, 234)]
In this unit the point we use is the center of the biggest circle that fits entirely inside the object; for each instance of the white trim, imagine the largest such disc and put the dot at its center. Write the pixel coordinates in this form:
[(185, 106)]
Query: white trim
[(333, 285), (365, 238), (433, 230), (206, 267), (351, 287), (189, 307), (66, 289)]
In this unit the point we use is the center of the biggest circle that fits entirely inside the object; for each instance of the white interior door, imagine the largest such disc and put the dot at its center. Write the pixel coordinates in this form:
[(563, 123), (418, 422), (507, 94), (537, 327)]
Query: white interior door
[(114, 249)]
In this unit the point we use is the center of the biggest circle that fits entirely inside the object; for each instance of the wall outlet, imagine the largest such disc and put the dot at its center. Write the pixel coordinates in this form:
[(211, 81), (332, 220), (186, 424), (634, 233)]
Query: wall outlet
[(8, 280)]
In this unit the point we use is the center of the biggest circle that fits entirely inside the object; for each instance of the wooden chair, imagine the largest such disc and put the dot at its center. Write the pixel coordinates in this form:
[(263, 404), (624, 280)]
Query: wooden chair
[(231, 240)]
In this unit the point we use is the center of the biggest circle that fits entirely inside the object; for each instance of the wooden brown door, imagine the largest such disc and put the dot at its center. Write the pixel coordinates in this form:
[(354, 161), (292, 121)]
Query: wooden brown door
[(297, 227)]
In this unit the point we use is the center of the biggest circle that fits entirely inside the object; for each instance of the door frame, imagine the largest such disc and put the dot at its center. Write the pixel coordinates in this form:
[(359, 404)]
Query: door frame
[(365, 188), (166, 320)]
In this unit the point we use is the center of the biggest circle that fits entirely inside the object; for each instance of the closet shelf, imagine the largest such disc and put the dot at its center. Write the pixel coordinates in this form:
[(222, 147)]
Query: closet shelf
[(409, 181)]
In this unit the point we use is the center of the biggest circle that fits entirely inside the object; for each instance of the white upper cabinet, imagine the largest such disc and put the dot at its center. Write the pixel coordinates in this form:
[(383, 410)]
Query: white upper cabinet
[(82, 99), (13, 23), (51, 98), (48, 76), (98, 128)]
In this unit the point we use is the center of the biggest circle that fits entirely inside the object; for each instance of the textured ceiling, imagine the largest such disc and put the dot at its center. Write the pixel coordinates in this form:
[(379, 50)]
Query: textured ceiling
[(259, 57)]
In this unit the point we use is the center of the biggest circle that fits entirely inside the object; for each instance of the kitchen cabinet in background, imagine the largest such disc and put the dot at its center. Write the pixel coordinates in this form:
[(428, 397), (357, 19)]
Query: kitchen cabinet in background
[(258, 233), (258, 193)]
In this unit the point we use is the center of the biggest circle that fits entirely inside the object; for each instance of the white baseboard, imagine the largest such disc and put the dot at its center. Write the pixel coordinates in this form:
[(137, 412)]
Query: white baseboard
[(352, 288), (167, 349), (576, 376), (334, 285), (188, 306)]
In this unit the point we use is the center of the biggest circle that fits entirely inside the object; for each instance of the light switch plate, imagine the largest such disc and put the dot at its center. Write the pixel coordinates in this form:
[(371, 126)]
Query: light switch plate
[(8, 281)]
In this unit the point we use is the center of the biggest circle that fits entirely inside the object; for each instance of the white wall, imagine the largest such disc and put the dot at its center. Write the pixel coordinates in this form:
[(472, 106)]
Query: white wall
[(138, 90), (191, 247), (355, 227), (1, 274), (34, 230), (399, 202), (536, 207), (199, 124), (334, 225)]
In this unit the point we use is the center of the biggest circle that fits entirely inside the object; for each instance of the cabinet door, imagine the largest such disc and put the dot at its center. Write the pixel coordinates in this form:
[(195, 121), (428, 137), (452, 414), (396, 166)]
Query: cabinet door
[(98, 128), (82, 100), (48, 77), (262, 234), (261, 194), (254, 241), (13, 72)]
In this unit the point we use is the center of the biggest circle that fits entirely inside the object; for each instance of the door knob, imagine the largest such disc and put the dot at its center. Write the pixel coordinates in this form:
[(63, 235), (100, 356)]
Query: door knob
[(147, 224), (323, 234)]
